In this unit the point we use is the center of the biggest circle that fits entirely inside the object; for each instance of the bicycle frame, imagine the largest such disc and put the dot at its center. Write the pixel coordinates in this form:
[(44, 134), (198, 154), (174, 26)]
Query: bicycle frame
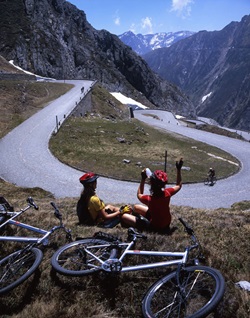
[(32, 240), (188, 289), (115, 265), (25, 239), (16, 267)]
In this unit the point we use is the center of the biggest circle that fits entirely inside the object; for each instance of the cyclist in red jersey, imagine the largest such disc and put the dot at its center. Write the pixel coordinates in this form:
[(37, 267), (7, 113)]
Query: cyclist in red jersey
[(156, 205)]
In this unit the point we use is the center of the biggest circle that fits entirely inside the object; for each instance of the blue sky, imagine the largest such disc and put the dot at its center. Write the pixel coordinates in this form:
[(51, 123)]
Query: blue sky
[(153, 16)]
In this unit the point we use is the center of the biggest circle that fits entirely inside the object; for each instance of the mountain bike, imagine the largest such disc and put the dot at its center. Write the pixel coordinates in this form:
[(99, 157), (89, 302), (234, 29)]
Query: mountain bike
[(210, 181), (191, 290), (20, 265)]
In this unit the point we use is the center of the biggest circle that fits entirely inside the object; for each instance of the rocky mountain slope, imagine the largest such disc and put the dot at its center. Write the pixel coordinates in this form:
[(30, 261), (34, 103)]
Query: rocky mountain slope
[(53, 38), (143, 44), (213, 68)]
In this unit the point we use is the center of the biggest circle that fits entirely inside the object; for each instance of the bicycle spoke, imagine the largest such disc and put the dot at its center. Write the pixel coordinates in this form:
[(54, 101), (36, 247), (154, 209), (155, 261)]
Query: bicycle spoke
[(195, 292), (81, 258), (17, 267), (73, 259), (198, 289)]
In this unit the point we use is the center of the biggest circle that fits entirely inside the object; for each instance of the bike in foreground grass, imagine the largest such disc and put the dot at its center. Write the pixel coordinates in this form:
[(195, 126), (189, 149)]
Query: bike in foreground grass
[(20, 265), (191, 290)]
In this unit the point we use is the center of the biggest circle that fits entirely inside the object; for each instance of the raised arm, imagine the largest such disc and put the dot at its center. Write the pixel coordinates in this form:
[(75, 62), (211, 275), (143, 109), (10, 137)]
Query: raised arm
[(140, 190), (178, 165)]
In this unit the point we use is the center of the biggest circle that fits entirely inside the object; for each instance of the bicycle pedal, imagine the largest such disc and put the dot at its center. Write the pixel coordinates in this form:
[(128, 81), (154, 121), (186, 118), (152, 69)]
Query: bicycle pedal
[(201, 258), (112, 265), (45, 242)]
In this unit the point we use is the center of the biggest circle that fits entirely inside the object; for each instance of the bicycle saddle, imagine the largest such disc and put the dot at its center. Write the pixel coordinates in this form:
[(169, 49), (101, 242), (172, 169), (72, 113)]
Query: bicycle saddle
[(133, 232)]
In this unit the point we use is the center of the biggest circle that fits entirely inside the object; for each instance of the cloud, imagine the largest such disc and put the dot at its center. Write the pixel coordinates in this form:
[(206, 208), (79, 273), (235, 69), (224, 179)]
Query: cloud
[(117, 19), (182, 7), (147, 25)]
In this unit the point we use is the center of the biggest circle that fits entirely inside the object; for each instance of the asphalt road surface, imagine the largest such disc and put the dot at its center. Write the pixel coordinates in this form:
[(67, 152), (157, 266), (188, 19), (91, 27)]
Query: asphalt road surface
[(26, 160)]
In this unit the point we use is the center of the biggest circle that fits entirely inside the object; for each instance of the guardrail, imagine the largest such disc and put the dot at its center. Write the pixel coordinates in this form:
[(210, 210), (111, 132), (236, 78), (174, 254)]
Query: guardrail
[(60, 121)]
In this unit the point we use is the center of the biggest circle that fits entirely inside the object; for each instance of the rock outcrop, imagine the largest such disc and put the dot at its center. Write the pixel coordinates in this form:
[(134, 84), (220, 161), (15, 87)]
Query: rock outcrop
[(213, 68), (53, 38)]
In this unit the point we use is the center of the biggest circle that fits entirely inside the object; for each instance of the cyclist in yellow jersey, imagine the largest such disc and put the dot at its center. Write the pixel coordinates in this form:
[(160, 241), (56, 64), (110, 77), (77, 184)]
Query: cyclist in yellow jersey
[(91, 210)]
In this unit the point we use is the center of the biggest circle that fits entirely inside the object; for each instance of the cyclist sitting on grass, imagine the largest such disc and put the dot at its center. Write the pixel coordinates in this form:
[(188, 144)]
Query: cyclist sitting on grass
[(91, 210), (156, 209)]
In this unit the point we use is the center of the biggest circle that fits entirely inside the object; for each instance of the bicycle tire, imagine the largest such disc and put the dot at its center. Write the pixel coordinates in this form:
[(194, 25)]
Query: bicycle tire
[(17, 267), (206, 181), (72, 260), (202, 290)]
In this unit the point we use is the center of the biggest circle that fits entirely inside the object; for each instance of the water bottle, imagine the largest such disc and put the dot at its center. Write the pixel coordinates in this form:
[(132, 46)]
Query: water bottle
[(148, 172)]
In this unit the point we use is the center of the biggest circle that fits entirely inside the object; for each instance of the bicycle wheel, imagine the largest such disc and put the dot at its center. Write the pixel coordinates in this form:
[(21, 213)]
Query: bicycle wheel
[(73, 260), (201, 289), (206, 181), (17, 267)]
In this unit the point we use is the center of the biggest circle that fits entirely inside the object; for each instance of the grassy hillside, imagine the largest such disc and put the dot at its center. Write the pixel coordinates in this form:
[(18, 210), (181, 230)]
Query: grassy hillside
[(19, 100), (120, 149), (223, 233)]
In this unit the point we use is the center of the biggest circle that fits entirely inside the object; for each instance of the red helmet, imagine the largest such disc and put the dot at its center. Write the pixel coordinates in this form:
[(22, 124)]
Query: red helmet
[(88, 178), (160, 177)]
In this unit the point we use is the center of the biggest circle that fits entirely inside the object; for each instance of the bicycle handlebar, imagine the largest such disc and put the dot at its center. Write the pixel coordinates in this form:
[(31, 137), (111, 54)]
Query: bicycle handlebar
[(57, 212), (54, 206), (195, 240), (32, 203), (188, 228)]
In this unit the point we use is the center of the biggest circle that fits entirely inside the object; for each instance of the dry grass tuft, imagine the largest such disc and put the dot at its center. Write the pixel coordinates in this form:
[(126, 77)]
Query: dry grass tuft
[(223, 233)]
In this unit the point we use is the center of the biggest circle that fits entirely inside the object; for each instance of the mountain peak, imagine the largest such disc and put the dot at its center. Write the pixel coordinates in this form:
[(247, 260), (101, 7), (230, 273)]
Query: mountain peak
[(67, 46), (212, 67), (143, 44)]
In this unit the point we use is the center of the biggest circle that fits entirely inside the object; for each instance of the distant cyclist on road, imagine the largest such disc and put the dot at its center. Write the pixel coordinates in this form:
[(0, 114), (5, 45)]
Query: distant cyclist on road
[(211, 174)]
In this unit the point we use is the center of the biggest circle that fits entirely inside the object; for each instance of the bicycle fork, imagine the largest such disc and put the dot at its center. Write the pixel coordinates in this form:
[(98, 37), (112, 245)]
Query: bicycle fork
[(15, 263)]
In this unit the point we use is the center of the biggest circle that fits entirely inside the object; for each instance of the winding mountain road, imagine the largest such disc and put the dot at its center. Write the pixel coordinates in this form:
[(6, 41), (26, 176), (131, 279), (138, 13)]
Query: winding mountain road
[(26, 160)]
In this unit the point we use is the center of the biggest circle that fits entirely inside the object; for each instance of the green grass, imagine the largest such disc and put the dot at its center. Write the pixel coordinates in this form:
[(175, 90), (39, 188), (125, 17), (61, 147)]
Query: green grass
[(101, 145), (223, 233), (21, 99)]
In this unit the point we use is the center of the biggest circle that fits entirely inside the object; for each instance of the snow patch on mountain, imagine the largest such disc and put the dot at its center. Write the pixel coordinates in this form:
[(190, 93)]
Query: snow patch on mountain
[(205, 97), (127, 100), (143, 44)]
